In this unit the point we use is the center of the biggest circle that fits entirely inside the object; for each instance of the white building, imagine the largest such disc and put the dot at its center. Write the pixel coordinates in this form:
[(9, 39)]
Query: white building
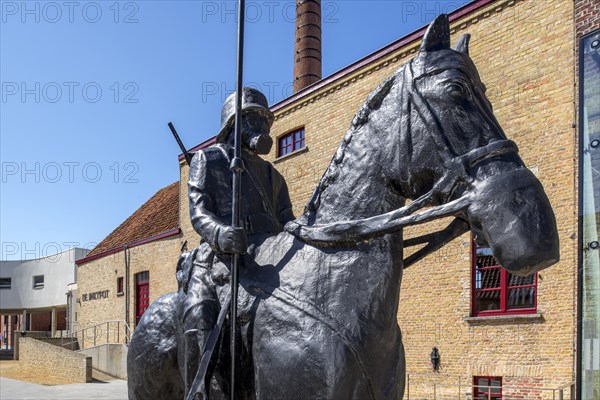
[(35, 295)]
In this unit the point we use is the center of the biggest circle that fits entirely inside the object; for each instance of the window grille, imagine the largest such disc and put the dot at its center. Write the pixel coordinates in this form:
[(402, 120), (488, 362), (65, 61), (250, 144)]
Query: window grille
[(291, 142), (496, 291)]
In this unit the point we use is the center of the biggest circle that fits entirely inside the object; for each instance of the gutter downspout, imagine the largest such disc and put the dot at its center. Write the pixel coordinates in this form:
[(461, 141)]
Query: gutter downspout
[(127, 283)]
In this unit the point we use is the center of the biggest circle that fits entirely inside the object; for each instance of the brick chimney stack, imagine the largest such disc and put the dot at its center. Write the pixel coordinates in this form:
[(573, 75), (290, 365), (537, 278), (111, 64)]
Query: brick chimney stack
[(307, 47)]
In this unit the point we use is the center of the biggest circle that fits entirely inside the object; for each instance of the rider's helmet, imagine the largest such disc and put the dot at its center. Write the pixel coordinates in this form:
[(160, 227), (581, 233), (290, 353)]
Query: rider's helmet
[(252, 100)]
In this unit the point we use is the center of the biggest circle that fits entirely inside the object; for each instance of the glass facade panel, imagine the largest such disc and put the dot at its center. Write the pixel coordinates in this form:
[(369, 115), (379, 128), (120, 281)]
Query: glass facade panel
[(142, 277), (589, 125), (521, 297), (488, 300), (514, 280)]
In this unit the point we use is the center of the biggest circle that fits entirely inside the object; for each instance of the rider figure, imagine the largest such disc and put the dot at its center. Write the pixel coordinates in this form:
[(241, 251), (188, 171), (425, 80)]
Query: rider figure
[(265, 209)]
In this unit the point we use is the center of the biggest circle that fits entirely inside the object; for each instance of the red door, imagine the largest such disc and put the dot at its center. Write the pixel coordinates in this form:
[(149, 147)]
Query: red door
[(142, 295)]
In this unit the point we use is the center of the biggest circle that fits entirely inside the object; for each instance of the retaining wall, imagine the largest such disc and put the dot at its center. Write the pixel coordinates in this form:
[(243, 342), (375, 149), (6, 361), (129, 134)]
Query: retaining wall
[(46, 359)]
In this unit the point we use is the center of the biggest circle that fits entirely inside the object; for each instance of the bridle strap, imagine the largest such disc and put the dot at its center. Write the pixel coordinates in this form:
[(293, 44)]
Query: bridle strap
[(367, 228), (493, 149)]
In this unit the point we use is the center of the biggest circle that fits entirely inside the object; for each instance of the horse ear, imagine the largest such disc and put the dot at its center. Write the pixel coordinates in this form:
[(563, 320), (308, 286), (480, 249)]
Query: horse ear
[(463, 44), (437, 36)]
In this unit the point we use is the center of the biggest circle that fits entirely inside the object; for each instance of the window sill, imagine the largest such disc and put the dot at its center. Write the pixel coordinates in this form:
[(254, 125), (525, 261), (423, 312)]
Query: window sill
[(119, 294), (509, 318), (38, 287), (292, 154)]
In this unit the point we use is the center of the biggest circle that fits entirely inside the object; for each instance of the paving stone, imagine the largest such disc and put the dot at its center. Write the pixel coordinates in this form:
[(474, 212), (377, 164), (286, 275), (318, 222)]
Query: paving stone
[(11, 389)]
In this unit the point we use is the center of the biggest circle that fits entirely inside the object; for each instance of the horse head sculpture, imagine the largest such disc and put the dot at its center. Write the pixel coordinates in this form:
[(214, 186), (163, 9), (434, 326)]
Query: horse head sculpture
[(508, 210), (449, 152), (319, 302)]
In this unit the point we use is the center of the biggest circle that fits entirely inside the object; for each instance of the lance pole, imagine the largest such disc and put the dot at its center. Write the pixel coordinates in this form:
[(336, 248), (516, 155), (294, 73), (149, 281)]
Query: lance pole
[(237, 167)]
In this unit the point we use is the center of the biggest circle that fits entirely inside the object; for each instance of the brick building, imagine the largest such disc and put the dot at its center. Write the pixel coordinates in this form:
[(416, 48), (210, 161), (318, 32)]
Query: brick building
[(490, 328)]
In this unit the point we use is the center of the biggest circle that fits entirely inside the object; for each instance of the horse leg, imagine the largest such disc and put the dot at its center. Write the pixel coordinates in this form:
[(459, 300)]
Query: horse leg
[(152, 359)]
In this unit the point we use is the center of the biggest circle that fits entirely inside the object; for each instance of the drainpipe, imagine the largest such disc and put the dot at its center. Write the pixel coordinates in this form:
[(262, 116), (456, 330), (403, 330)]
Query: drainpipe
[(126, 257), (68, 313)]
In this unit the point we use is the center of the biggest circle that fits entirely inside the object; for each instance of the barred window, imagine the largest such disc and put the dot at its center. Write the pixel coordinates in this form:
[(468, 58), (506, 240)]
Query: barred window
[(496, 291), (487, 388)]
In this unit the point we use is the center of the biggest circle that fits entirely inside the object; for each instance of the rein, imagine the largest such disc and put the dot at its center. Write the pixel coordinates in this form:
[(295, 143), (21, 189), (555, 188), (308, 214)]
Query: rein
[(367, 228)]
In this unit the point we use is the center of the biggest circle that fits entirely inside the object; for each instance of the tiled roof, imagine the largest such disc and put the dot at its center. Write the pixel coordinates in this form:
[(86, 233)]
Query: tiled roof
[(158, 215)]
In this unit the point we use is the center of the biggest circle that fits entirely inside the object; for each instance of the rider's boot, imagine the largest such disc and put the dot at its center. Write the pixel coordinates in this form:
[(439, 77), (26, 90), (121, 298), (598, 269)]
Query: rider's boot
[(195, 341)]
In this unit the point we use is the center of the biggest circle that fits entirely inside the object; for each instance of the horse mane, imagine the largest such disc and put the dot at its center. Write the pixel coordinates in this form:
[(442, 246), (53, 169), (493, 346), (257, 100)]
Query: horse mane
[(372, 103)]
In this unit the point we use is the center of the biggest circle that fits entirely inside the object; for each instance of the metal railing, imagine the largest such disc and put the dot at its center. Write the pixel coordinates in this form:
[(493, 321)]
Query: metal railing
[(463, 390), (108, 332)]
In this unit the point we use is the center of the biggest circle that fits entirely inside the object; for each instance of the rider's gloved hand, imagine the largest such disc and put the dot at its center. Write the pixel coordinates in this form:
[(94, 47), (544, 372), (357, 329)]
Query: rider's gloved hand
[(232, 240)]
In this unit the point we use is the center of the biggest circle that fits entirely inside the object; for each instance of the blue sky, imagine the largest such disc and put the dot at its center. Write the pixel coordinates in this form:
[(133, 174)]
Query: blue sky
[(87, 89)]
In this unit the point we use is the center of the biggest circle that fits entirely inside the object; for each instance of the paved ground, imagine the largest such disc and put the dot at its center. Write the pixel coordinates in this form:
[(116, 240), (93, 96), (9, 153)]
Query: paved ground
[(11, 389)]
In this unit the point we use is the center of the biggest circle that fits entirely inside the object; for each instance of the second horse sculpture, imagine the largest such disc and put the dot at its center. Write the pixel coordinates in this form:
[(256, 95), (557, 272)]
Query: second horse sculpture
[(319, 302)]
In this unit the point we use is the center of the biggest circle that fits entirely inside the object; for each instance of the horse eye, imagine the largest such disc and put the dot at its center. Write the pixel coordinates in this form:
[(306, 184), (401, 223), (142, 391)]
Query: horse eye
[(456, 88)]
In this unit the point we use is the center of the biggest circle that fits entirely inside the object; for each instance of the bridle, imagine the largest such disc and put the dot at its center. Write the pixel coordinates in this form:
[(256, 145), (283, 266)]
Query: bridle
[(456, 173), (368, 228)]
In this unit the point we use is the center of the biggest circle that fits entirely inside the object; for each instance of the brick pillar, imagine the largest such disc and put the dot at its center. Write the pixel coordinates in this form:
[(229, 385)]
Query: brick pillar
[(307, 48)]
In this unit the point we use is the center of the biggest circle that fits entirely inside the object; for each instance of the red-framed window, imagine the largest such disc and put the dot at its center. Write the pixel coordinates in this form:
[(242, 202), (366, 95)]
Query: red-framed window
[(496, 291), (487, 388), (291, 142)]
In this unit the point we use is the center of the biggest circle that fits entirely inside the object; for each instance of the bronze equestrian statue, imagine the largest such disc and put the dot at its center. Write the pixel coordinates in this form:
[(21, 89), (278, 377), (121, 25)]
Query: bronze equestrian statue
[(265, 211), (318, 302)]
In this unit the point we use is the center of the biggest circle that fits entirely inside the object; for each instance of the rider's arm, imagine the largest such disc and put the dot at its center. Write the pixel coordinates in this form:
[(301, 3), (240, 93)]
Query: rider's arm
[(202, 202), (220, 236)]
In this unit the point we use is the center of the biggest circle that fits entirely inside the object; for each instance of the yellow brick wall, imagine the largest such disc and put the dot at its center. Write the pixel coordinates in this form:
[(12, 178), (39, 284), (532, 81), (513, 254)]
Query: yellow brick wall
[(159, 257), (524, 53), (44, 359)]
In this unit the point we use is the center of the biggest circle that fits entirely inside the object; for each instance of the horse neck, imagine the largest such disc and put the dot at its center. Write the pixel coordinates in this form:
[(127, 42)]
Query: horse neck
[(354, 185)]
